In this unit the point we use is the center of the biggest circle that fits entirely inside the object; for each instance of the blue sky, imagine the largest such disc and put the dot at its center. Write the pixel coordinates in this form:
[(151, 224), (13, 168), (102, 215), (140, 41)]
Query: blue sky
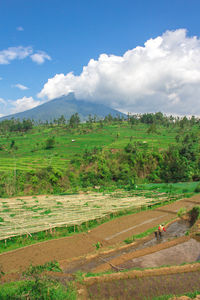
[(42, 39)]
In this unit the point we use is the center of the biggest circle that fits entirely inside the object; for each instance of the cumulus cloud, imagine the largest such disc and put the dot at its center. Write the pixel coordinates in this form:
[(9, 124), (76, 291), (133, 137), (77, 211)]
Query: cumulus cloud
[(20, 28), (20, 52), (20, 86), (6, 56), (163, 75), (40, 57), (23, 104)]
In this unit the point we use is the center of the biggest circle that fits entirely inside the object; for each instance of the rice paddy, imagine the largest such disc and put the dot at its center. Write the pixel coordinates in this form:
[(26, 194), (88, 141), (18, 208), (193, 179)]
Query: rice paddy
[(26, 215)]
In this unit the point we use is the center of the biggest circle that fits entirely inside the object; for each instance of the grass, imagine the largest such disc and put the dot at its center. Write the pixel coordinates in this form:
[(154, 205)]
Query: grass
[(140, 235), (37, 287), (186, 188), (53, 291)]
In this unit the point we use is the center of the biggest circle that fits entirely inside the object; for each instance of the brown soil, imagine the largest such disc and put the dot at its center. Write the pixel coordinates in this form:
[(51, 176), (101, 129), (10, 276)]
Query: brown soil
[(140, 288), (109, 234)]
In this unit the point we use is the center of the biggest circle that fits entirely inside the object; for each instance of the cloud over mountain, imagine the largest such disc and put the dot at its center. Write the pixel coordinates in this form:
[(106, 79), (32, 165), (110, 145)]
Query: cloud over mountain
[(163, 75), (23, 104)]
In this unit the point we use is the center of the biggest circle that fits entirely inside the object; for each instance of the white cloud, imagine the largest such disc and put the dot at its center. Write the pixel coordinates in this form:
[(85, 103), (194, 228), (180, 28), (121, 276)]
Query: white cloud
[(163, 75), (23, 104), (40, 57), (1, 115), (20, 52), (6, 56), (20, 86), (20, 28), (1, 78)]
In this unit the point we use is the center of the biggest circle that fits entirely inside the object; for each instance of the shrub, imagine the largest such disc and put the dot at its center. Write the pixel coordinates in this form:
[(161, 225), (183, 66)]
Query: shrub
[(197, 189), (97, 245), (181, 212), (49, 143), (194, 214)]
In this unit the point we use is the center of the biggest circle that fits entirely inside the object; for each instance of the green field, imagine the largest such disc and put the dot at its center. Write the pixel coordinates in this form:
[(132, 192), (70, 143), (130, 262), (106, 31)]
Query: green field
[(106, 154), (30, 152)]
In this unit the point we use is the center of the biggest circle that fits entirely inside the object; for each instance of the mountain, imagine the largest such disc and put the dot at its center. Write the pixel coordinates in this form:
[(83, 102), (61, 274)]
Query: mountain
[(66, 106)]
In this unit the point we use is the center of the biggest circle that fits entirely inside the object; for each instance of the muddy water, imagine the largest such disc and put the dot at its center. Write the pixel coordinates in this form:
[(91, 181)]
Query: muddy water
[(174, 230), (181, 253)]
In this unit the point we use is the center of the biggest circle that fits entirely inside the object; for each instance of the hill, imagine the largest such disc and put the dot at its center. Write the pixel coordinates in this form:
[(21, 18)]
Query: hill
[(66, 106), (110, 153)]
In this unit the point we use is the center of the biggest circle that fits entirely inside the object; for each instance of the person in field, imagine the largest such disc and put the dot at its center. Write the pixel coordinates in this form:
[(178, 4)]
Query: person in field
[(158, 233), (161, 228)]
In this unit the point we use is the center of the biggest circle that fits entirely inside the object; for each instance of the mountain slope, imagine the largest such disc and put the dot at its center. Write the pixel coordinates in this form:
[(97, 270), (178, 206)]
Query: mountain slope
[(66, 105)]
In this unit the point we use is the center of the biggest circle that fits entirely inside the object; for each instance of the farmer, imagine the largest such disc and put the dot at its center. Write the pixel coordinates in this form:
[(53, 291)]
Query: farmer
[(161, 228)]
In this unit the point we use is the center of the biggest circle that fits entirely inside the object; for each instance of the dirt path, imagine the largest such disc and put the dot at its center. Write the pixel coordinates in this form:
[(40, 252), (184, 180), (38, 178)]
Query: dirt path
[(108, 234)]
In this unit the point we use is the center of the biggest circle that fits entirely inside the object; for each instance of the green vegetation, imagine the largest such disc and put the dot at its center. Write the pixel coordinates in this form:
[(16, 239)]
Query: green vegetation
[(60, 157), (97, 245), (37, 286), (181, 212), (197, 189), (194, 214), (140, 235)]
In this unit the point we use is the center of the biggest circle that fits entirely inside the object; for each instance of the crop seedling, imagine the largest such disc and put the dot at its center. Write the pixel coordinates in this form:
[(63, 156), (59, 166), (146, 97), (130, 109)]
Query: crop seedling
[(97, 245)]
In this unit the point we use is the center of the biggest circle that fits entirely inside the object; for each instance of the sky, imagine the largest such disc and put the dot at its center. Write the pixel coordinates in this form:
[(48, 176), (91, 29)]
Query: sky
[(136, 56)]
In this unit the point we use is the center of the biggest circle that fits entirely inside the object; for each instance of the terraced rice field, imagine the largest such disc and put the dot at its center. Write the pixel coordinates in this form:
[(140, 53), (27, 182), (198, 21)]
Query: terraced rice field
[(26, 215)]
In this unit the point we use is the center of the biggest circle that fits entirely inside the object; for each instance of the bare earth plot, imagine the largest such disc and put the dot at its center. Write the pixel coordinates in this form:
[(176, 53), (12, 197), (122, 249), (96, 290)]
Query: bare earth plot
[(139, 288)]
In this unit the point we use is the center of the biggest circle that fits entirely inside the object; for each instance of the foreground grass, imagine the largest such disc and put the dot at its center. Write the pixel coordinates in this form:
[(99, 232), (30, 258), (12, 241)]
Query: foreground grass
[(26, 290), (38, 285)]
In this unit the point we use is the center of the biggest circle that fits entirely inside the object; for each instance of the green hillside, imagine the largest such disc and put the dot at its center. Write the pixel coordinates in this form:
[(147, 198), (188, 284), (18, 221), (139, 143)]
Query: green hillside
[(59, 158)]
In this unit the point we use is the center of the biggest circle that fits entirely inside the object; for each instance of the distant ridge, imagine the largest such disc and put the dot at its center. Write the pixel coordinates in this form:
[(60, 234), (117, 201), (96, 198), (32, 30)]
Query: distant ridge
[(66, 106)]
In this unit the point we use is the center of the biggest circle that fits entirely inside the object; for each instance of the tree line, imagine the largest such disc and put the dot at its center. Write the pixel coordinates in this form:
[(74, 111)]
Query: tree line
[(152, 119)]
